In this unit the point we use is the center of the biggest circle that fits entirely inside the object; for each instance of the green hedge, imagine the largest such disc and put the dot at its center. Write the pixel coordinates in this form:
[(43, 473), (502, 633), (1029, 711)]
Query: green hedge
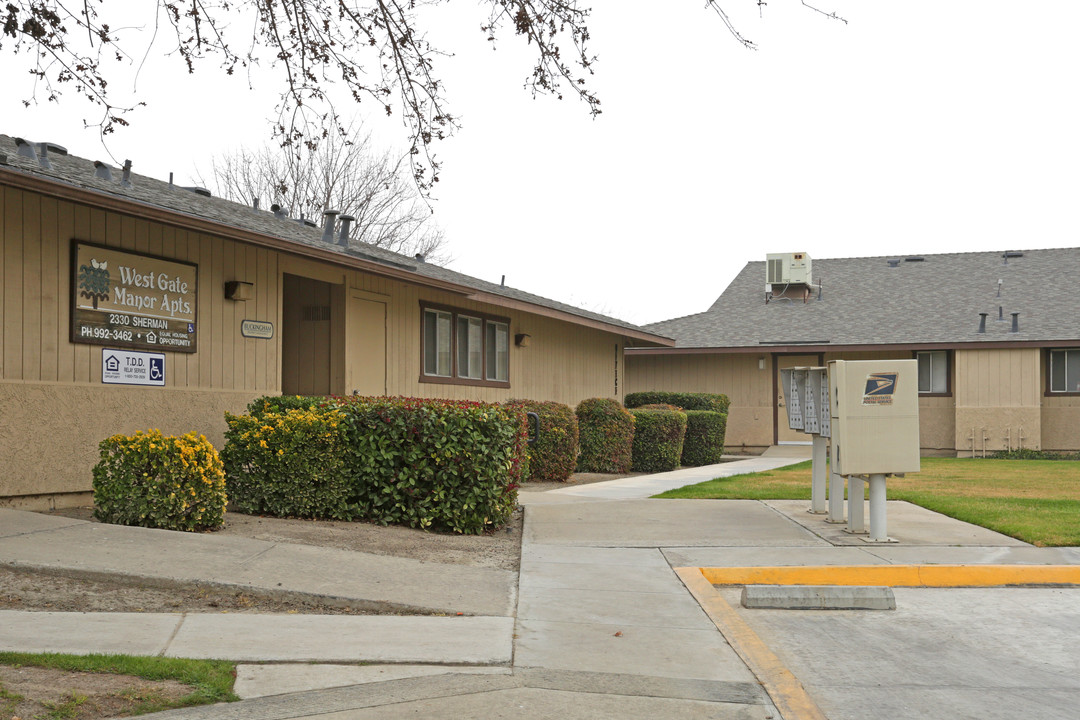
[(704, 443), (287, 463), (658, 439), (442, 464), (150, 480), (553, 457), (606, 436), (452, 465), (686, 401)]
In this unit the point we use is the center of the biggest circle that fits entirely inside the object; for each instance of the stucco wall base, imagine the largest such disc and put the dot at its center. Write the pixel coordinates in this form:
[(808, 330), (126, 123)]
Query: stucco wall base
[(1061, 426), (1001, 427), (45, 503), (50, 431)]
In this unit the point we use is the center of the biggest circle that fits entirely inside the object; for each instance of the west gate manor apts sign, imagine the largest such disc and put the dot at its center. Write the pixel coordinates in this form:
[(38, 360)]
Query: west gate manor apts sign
[(130, 300)]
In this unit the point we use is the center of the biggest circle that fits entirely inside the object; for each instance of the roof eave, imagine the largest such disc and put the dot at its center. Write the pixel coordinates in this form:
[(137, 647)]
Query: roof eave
[(13, 177)]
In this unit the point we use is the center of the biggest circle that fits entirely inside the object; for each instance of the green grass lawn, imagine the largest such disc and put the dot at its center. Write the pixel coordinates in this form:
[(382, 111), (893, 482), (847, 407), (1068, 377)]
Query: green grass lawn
[(1037, 501)]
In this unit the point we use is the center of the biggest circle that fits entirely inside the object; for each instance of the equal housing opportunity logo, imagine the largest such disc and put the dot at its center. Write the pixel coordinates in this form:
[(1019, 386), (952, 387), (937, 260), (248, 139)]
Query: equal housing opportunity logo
[(880, 387)]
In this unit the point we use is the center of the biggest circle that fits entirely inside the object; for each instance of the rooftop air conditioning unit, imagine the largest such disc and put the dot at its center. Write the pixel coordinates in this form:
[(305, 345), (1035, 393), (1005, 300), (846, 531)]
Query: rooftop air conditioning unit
[(787, 269)]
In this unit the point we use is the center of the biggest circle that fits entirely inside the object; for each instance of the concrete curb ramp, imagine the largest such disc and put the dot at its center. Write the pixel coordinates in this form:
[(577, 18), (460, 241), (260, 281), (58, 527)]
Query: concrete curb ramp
[(528, 693)]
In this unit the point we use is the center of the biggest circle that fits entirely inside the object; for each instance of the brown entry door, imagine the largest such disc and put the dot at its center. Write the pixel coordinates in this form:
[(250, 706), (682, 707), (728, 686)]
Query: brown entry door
[(305, 337), (366, 345), (783, 433)]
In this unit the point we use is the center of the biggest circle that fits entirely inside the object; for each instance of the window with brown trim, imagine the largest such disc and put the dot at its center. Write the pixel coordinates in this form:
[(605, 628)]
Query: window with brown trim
[(462, 347), (933, 372), (1064, 371)]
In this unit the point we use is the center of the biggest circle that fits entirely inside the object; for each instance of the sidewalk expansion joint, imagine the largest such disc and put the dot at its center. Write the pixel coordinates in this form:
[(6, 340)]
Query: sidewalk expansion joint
[(173, 634)]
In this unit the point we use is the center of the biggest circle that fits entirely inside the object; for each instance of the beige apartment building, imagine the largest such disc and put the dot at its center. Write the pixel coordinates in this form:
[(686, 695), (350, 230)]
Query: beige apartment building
[(996, 334), (129, 303)]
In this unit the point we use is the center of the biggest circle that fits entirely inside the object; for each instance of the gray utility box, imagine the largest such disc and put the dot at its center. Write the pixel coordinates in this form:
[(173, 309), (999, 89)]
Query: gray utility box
[(806, 390), (875, 416)]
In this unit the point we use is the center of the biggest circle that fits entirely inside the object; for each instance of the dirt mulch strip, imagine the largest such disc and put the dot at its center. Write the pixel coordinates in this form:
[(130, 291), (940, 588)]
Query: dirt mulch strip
[(32, 692)]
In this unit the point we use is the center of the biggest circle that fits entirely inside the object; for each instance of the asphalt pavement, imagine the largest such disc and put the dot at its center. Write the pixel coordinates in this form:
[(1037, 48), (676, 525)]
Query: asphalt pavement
[(610, 616)]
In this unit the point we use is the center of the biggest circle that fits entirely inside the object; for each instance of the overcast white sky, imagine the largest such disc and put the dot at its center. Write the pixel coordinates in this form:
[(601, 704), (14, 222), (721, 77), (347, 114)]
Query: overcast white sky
[(918, 127)]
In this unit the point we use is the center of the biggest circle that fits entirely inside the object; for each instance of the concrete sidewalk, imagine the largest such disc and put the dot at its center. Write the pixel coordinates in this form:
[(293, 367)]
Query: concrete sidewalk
[(644, 486), (600, 624), (376, 582)]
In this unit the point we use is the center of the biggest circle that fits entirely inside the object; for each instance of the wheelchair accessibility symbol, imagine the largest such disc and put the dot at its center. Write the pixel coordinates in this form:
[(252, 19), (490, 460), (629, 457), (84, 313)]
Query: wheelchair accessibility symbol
[(157, 370)]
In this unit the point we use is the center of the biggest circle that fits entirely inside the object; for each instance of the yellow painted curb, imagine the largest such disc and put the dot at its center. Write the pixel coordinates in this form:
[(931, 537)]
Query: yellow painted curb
[(787, 693), (896, 575)]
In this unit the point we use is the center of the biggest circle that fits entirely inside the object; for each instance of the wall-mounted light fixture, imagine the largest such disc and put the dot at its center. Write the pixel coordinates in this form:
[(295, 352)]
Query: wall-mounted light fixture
[(239, 290), (522, 340), (761, 363)]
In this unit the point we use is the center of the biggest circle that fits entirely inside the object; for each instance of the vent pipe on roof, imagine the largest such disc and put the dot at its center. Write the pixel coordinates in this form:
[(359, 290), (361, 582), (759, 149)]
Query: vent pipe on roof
[(1016, 322), (343, 232), (982, 323), (170, 179), (502, 283), (102, 171), (254, 203), (125, 179), (420, 257), (1001, 314), (26, 150), (43, 159), (329, 217), (999, 287)]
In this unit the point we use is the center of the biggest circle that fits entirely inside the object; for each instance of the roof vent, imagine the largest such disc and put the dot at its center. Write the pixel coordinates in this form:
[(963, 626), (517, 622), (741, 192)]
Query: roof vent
[(420, 257), (125, 179), (43, 159), (914, 258), (198, 190), (102, 171), (54, 148), (343, 231), (278, 212), (893, 263), (26, 150), (1010, 254), (329, 216)]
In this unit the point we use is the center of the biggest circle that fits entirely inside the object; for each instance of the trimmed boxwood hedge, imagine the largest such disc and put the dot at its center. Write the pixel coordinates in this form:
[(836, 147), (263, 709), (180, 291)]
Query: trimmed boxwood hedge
[(553, 457), (704, 444), (684, 400), (606, 436), (658, 439)]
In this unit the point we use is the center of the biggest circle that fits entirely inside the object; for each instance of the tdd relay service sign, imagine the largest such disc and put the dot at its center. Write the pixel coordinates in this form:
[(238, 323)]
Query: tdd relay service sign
[(131, 300)]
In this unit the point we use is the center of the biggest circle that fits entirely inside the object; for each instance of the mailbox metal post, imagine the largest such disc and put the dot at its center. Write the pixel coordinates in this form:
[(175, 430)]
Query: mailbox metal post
[(817, 479), (856, 518), (879, 531), (836, 489)]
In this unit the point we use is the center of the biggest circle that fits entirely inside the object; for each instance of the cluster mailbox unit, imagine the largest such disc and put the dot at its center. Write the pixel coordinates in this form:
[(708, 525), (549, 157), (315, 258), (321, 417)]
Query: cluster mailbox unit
[(875, 431), (870, 409), (807, 393)]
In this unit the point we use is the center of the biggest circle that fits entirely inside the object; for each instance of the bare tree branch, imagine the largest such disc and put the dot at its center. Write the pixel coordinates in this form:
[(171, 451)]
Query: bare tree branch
[(344, 173)]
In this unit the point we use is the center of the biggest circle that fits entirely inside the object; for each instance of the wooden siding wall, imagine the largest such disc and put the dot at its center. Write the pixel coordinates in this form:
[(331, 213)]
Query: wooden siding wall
[(51, 387), (35, 303), (750, 417), (998, 397)]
